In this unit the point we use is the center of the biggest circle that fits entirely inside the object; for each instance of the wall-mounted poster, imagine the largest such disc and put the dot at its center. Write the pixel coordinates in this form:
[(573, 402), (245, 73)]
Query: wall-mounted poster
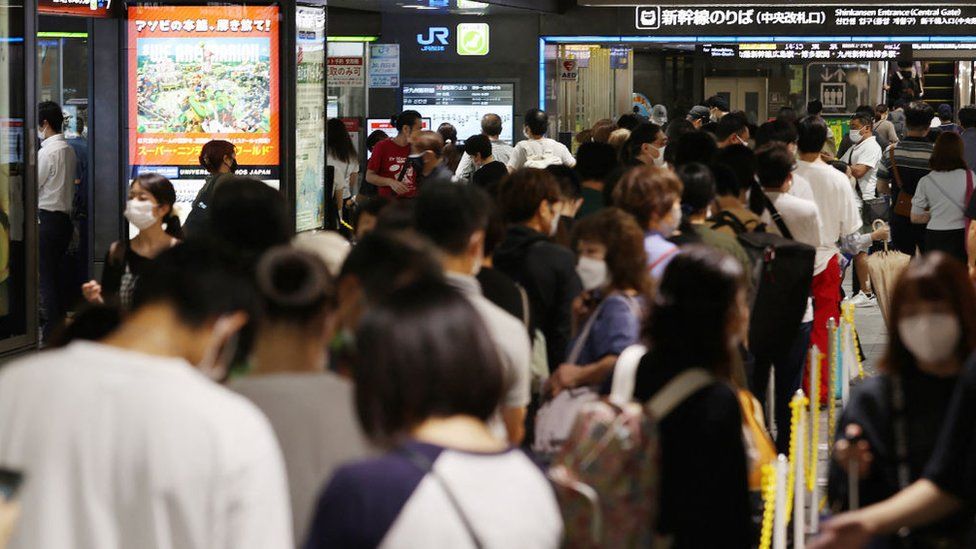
[(200, 73), (310, 119)]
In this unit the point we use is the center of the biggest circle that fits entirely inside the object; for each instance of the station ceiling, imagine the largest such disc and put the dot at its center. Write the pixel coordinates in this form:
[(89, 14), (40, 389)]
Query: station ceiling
[(484, 7)]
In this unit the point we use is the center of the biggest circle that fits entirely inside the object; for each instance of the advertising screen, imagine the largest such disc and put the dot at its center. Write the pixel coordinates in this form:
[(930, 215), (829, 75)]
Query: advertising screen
[(310, 119), (462, 105), (200, 73)]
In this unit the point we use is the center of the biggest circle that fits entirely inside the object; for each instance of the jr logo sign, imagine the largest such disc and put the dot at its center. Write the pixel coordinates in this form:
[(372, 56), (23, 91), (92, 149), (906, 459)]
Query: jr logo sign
[(437, 39)]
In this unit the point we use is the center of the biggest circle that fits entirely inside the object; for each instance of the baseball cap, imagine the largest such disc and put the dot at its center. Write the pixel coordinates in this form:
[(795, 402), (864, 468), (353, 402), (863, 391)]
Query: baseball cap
[(718, 102), (945, 110), (698, 112), (659, 115)]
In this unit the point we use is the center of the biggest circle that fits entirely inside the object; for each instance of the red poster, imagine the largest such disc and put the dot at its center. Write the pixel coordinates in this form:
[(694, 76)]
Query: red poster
[(201, 73)]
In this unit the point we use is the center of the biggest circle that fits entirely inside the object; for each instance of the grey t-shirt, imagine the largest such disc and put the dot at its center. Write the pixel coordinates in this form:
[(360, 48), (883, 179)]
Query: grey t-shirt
[(313, 417), (943, 194)]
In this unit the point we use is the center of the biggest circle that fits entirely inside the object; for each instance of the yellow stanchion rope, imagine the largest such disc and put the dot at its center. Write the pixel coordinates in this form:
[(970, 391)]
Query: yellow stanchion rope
[(814, 421), (849, 317), (796, 408), (768, 487)]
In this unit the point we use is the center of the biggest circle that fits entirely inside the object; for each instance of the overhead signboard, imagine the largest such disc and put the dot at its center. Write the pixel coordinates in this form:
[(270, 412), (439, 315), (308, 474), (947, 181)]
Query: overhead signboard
[(346, 72), (82, 8), (759, 19), (632, 3), (384, 66), (201, 73), (809, 51), (463, 105)]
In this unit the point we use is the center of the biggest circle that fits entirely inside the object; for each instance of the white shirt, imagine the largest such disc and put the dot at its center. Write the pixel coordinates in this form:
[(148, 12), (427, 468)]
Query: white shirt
[(122, 450), (836, 204), (56, 169), (943, 195), (867, 153), (343, 171), (544, 146), (314, 419), (802, 218)]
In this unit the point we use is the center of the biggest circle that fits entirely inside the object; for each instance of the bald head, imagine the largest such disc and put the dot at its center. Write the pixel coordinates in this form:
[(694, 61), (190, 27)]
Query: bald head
[(491, 125)]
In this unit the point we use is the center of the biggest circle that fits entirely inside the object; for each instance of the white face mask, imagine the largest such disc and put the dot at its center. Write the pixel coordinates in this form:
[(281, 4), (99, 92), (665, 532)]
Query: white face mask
[(526, 132), (659, 161), (592, 272), (931, 338), (140, 213), (856, 136), (223, 347), (554, 224)]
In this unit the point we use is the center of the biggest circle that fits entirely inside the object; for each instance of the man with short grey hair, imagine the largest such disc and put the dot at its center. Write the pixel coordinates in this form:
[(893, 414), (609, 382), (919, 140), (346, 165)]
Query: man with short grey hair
[(491, 126)]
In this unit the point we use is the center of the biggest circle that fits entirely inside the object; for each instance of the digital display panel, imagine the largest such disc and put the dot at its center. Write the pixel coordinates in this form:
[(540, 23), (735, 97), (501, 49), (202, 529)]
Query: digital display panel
[(463, 105), (809, 51), (201, 73)]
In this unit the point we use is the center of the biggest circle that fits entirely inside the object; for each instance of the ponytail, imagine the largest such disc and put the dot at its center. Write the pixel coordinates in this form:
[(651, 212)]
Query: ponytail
[(173, 226)]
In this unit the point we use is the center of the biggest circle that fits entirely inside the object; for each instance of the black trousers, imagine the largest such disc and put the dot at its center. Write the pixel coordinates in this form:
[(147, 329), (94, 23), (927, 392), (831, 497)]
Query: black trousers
[(906, 236), (56, 231), (950, 242), (789, 378)]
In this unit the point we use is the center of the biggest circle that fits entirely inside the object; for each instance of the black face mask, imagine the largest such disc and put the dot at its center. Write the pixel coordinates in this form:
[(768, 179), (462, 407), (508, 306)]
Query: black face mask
[(417, 162), (233, 165)]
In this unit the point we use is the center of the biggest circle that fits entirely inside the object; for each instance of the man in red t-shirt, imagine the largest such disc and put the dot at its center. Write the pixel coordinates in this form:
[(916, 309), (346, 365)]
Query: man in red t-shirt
[(389, 168)]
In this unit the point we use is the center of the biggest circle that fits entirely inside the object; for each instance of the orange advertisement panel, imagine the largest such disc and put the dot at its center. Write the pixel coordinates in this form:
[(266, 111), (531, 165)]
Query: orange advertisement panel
[(200, 73)]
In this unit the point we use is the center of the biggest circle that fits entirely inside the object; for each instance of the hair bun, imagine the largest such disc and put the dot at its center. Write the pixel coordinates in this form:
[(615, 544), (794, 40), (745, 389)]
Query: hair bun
[(291, 278)]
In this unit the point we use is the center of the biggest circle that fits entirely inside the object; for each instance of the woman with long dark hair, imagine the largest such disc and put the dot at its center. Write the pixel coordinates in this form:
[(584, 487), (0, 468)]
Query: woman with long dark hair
[(890, 427), (343, 159), (446, 480), (698, 318), (149, 209)]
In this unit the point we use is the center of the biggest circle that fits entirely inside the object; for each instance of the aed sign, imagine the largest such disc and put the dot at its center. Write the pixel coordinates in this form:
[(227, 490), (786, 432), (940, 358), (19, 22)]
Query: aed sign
[(472, 39), (569, 69)]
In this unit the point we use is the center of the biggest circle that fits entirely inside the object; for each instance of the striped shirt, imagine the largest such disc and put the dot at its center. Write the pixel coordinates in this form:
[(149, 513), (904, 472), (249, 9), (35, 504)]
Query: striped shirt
[(912, 157)]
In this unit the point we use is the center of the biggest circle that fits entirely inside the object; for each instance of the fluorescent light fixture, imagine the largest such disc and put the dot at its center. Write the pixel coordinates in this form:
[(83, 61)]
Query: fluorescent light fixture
[(62, 34), (353, 38)]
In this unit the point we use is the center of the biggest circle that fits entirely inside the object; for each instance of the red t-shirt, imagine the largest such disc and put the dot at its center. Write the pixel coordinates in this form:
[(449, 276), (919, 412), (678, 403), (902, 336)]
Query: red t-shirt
[(387, 160)]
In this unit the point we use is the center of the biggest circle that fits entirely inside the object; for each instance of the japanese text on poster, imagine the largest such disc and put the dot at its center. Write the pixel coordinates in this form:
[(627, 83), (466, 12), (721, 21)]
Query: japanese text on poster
[(346, 72), (310, 119), (202, 73)]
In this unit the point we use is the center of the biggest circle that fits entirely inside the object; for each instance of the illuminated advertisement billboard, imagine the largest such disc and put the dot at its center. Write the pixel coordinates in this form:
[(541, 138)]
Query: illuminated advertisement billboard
[(200, 73)]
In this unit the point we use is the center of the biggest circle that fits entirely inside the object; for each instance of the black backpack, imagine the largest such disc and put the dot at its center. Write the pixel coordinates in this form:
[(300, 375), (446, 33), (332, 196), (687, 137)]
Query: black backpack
[(782, 277)]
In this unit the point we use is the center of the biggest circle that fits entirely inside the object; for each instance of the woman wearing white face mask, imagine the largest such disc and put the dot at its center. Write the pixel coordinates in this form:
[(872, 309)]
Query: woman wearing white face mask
[(613, 268), (149, 209), (891, 426), (645, 146), (653, 196)]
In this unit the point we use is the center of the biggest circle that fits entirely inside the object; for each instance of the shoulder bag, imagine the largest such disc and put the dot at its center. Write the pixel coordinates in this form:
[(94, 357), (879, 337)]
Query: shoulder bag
[(903, 203)]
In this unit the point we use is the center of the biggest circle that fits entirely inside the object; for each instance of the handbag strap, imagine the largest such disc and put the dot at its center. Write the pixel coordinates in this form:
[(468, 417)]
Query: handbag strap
[(423, 463), (678, 390), (625, 374), (894, 169), (584, 334), (777, 218), (900, 426)]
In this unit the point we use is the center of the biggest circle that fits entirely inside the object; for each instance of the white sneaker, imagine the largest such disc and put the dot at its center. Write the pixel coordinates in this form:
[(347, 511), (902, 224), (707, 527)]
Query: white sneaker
[(862, 300)]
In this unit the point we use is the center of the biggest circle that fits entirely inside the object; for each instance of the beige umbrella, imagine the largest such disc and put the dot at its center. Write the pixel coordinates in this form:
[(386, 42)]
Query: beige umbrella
[(884, 268)]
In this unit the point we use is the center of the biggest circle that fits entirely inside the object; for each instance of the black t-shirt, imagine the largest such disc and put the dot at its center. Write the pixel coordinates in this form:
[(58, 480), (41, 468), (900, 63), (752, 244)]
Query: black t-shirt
[(953, 464), (490, 175), (704, 476)]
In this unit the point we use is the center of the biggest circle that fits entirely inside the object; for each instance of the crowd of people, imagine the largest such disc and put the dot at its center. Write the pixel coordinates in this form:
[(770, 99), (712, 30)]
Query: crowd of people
[(427, 378)]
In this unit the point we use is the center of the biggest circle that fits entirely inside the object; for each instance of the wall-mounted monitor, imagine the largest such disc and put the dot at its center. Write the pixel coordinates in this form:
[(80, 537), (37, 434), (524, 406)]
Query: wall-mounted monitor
[(462, 104)]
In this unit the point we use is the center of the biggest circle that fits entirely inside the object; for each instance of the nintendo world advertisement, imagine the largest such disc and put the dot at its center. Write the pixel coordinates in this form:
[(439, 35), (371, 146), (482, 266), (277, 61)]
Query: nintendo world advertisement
[(200, 73)]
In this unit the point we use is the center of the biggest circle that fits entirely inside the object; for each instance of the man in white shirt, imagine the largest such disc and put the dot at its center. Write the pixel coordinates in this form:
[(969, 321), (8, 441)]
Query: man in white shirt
[(840, 218), (56, 170), (863, 157), (455, 219), (130, 443), (491, 126), (537, 150)]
